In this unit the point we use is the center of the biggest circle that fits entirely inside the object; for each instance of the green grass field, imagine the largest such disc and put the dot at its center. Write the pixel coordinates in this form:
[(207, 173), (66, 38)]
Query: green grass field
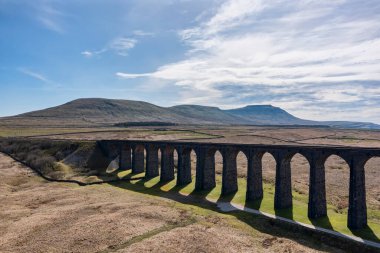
[(335, 221)]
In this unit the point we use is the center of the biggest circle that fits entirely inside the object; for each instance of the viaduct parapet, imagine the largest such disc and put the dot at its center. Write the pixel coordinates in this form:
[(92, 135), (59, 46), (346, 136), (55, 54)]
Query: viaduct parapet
[(144, 156)]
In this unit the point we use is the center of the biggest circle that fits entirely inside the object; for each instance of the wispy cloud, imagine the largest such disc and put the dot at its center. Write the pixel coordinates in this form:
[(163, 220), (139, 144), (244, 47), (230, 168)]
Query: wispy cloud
[(131, 76), (142, 33), (90, 54), (315, 51), (35, 75), (50, 16), (120, 46)]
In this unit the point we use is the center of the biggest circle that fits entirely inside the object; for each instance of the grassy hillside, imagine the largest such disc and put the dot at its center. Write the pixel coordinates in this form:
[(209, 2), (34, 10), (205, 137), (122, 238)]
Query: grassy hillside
[(106, 111), (207, 114), (267, 114)]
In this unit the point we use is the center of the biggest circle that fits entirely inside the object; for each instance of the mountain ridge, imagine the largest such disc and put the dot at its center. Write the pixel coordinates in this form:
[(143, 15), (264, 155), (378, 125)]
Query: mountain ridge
[(101, 111)]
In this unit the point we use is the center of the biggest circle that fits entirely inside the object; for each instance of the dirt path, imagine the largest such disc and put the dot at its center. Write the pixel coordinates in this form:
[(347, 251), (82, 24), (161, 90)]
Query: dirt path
[(40, 216)]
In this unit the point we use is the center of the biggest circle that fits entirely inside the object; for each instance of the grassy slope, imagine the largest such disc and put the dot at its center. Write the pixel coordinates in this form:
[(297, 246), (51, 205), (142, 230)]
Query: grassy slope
[(207, 114), (97, 111), (336, 221)]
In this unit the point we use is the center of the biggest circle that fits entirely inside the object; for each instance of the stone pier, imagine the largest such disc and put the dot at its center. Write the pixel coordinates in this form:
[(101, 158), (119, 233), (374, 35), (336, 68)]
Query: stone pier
[(254, 176), (317, 189), (184, 166), (138, 159), (167, 163), (205, 169), (283, 187), (151, 161), (357, 208), (125, 162), (229, 177)]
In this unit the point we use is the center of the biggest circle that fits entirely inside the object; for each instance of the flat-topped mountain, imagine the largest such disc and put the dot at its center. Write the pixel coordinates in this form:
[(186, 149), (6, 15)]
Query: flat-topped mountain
[(108, 112), (268, 115)]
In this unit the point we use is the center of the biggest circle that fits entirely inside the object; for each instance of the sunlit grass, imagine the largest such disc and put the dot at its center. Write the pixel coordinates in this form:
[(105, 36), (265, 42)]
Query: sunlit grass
[(336, 221)]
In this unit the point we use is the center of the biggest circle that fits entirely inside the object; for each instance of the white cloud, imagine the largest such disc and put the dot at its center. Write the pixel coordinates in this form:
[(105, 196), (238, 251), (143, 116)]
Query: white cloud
[(49, 16), (87, 53), (35, 75), (90, 54), (131, 76), (120, 46), (142, 33), (40, 77), (51, 24), (306, 47)]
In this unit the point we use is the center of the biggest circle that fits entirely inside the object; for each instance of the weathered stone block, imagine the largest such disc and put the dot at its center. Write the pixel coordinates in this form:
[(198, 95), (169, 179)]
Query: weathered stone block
[(125, 162), (283, 188), (138, 159), (254, 176), (317, 189), (151, 161), (357, 209), (205, 169), (229, 176), (167, 164), (184, 167)]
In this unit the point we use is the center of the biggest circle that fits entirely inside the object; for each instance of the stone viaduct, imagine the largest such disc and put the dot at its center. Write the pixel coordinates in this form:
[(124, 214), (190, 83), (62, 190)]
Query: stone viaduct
[(144, 156)]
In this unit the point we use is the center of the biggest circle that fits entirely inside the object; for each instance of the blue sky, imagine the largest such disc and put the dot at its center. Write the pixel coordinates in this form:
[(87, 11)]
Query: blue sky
[(317, 59)]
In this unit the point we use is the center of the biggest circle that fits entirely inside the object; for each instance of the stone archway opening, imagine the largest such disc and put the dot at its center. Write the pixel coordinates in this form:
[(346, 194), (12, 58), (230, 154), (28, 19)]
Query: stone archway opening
[(337, 174), (218, 165), (300, 171), (242, 164), (193, 163), (175, 160), (268, 163), (372, 187), (159, 153), (242, 173)]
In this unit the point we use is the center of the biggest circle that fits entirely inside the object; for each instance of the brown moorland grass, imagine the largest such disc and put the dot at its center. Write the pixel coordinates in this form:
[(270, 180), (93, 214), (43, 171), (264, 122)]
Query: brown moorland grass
[(37, 216)]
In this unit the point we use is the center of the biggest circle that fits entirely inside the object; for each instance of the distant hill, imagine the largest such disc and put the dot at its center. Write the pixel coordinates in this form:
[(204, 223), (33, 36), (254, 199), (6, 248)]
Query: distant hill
[(268, 115), (207, 114), (106, 111), (91, 112)]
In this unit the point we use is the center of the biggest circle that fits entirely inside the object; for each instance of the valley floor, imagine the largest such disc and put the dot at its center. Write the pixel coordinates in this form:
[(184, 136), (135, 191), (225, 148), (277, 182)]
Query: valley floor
[(40, 216)]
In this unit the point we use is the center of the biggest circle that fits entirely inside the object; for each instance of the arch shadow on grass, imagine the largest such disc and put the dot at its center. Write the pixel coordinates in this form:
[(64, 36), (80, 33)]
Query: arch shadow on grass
[(264, 224)]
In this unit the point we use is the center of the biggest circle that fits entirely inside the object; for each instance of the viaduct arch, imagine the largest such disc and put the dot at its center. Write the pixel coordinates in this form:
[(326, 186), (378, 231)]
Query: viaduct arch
[(131, 155)]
